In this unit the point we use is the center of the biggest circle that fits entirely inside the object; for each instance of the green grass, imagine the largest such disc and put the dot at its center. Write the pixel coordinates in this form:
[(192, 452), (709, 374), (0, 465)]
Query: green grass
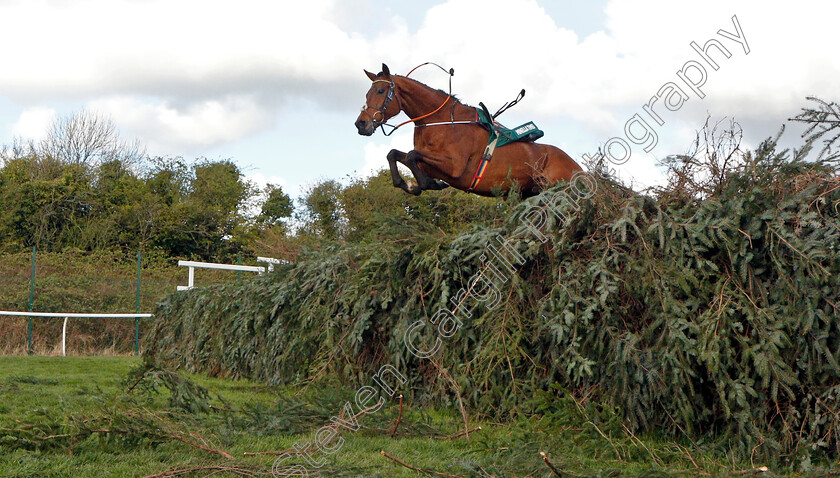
[(580, 440)]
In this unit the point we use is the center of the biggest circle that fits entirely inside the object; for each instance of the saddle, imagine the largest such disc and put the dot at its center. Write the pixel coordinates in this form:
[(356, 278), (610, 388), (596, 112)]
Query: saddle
[(500, 135), (527, 132)]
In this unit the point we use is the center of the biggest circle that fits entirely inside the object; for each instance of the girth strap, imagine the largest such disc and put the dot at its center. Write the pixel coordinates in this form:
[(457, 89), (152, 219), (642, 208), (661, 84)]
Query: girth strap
[(485, 161)]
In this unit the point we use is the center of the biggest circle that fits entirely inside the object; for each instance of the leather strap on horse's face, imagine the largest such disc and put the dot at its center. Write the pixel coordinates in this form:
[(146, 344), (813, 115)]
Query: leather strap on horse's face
[(392, 92)]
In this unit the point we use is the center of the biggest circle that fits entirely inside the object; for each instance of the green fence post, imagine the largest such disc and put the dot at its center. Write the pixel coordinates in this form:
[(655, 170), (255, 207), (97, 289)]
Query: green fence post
[(31, 300), (137, 309)]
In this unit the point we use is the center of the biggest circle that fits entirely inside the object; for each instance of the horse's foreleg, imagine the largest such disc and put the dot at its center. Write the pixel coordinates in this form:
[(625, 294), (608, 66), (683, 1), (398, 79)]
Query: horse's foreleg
[(395, 156)]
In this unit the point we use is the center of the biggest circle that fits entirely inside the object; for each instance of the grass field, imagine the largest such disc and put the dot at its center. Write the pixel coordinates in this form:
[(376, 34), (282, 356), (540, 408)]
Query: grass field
[(72, 416)]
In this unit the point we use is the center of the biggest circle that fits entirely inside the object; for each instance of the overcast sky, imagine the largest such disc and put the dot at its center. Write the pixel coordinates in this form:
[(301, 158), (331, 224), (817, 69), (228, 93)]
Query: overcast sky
[(276, 85)]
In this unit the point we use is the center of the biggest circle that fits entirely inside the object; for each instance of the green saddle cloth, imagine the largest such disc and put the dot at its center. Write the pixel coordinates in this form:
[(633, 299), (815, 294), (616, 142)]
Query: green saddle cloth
[(527, 132)]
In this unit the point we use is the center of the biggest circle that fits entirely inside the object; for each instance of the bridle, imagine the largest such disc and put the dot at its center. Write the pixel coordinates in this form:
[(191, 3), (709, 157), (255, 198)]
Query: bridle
[(392, 93)]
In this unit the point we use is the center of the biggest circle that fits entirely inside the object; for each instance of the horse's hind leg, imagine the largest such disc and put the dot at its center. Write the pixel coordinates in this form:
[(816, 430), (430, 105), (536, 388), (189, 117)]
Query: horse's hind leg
[(410, 160), (426, 182)]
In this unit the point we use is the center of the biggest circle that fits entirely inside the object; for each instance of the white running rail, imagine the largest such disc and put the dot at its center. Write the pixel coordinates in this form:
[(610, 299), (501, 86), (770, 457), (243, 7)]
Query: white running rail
[(72, 316), (271, 262), (210, 265)]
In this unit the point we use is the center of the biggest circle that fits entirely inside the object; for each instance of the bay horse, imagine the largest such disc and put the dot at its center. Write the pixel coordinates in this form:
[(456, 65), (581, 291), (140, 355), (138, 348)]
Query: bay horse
[(449, 143)]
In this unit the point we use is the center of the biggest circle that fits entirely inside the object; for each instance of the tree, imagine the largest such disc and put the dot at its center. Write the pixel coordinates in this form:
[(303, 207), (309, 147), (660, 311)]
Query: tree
[(84, 187), (205, 220), (219, 186), (277, 207), (44, 211), (371, 204), (87, 137), (169, 178), (322, 212), (823, 122)]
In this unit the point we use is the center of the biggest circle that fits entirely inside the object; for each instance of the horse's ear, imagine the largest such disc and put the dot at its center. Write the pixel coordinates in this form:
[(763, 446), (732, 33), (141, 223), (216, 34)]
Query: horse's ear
[(370, 75), (386, 70)]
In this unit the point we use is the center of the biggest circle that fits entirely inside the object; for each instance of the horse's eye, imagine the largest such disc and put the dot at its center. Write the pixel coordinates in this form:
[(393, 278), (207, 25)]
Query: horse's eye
[(381, 91)]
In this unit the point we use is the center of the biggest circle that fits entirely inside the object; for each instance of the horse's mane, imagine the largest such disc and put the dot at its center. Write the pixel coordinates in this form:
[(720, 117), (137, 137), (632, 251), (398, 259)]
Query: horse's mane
[(452, 95)]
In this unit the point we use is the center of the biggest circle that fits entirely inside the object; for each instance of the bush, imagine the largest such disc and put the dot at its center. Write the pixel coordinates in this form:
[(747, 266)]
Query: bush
[(707, 308)]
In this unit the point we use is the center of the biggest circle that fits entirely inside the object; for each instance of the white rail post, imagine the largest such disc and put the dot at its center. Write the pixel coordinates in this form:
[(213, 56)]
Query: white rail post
[(191, 280), (67, 317), (64, 338)]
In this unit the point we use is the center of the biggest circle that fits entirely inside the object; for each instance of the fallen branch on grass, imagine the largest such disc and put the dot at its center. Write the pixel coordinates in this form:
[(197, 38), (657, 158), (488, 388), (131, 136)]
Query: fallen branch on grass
[(136, 424), (457, 390), (548, 463), (200, 446), (287, 451), (459, 434), (292, 451), (422, 470), (754, 471), (399, 418), (236, 470)]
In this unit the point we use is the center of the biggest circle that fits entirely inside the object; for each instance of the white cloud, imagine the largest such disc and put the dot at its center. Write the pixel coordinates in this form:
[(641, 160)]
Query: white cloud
[(34, 123), (645, 43), (198, 125), (106, 45), (262, 181), (194, 74), (376, 154)]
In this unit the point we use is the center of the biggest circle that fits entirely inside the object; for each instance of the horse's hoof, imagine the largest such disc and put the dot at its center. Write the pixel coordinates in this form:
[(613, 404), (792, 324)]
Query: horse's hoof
[(414, 189)]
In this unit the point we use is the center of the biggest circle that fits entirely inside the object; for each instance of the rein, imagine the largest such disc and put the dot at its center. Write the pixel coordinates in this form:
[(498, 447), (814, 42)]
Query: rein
[(392, 92), (411, 120)]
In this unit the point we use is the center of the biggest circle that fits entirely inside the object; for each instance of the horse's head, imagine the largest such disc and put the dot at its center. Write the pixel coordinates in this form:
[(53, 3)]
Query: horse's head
[(379, 102)]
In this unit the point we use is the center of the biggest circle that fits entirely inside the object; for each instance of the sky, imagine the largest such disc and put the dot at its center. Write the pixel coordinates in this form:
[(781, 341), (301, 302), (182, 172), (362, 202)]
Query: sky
[(276, 85)]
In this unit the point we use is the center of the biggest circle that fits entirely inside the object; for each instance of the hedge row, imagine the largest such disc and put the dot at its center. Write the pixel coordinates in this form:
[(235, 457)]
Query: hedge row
[(704, 313)]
